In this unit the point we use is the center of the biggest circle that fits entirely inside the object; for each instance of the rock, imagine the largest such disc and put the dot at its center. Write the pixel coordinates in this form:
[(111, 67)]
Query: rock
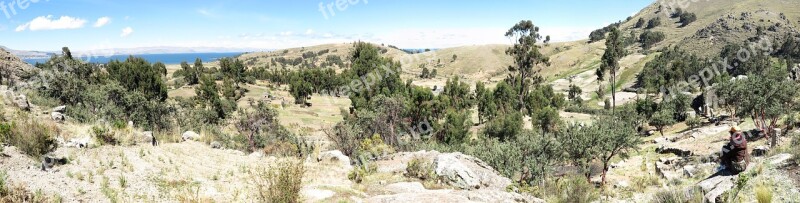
[(622, 184), (58, 117), (145, 137), (190, 135), (455, 173), (760, 151), (216, 145), (49, 162), (79, 142), (22, 102), (689, 171), (455, 196), (674, 150), (316, 195), (335, 157), (780, 160), (59, 109), (404, 187), (715, 186)]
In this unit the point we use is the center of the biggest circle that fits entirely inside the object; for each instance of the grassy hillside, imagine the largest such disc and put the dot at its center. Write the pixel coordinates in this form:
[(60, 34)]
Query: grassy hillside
[(719, 22)]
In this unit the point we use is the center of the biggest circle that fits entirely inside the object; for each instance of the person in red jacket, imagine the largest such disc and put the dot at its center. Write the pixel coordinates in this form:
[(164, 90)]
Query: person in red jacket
[(735, 157)]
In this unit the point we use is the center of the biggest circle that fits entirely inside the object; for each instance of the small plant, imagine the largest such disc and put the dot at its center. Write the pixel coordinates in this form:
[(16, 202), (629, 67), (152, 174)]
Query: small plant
[(763, 194), (678, 196), (281, 182), (642, 182), (32, 137), (123, 183), (420, 168), (693, 122), (104, 135)]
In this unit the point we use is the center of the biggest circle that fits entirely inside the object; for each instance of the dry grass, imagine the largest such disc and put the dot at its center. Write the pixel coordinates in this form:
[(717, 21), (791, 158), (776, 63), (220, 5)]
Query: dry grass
[(32, 136), (281, 182)]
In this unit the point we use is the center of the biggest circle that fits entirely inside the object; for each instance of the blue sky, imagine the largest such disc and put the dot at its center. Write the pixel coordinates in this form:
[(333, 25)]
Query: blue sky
[(272, 24)]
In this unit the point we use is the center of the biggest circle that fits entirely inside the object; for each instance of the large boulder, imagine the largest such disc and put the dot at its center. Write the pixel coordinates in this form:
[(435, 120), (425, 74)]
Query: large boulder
[(674, 150), (449, 167), (60, 109), (57, 117), (715, 186), (22, 102), (190, 135), (335, 157)]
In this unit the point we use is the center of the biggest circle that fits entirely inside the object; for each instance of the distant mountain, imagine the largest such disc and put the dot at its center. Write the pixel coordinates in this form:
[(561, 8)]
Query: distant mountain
[(165, 50), (28, 54)]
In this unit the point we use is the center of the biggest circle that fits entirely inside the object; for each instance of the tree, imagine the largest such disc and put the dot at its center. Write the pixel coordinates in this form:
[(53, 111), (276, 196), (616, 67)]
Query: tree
[(300, 90), (687, 18), (649, 38), (455, 129), (580, 145), (662, 118), (65, 51), (456, 57), (653, 23), (639, 23), (768, 98), (574, 94), (527, 58), (615, 137), (190, 74), (614, 51), (505, 127)]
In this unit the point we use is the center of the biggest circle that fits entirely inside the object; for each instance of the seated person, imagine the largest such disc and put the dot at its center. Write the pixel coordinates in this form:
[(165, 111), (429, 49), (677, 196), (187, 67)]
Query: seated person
[(735, 157)]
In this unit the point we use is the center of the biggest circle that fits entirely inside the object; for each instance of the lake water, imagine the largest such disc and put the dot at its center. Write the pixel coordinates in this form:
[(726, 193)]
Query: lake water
[(152, 58)]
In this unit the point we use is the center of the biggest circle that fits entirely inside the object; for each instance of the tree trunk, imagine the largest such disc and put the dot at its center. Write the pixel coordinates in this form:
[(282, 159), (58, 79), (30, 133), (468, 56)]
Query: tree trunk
[(613, 91), (605, 170)]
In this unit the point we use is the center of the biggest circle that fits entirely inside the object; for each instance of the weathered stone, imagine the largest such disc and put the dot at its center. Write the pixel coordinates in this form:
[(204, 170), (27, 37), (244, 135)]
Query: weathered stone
[(58, 117), (216, 145), (715, 186), (780, 160), (689, 171), (404, 187), (760, 151), (59, 109), (674, 150), (22, 102), (49, 162), (335, 157), (455, 173), (190, 135)]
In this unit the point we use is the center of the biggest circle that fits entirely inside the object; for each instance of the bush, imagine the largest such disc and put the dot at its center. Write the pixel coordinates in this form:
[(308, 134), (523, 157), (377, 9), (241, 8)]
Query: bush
[(104, 136), (420, 168), (649, 38), (678, 196), (763, 194), (281, 182), (574, 189), (652, 23), (693, 122), (30, 136)]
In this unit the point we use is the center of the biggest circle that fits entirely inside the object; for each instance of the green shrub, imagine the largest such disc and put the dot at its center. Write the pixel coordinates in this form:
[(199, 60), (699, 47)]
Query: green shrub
[(574, 189), (678, 196), (420, 168), (641, 183), (360, 171), (104, 136), (763, 194), (281, 182), (32, 137)]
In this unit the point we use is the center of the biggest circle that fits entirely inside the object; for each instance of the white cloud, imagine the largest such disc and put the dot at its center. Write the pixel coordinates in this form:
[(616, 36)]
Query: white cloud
[(102, 21), (48, 23), (309, 32), (126, 31), (287, 33)]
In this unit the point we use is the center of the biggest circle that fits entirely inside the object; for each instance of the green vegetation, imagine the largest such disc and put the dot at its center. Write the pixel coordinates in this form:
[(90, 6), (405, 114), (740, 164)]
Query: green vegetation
[(614, 51), (649, 38), (32, 137), (282, 182), (653, 23)]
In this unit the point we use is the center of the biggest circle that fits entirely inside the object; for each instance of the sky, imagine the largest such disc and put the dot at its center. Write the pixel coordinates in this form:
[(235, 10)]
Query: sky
[(48, 25)]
